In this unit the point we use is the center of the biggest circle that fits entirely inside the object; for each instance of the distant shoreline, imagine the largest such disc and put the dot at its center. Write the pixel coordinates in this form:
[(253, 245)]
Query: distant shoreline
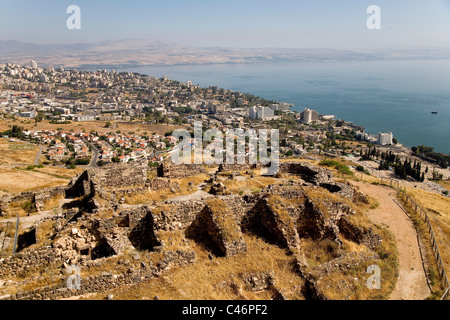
[(90, 67), (113, 67)]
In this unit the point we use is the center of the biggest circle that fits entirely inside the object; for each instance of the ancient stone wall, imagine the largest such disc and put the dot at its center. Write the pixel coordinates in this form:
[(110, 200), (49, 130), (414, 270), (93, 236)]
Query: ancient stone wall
[(236, 167), (80, 186), (159, 184), (13, 200), (26, 262), (38, 198), (309, 173), (177, 216), (107, 280), (171, 171), (274, 221), (121, 175), (142, 235), (42, 197), (217, 227)]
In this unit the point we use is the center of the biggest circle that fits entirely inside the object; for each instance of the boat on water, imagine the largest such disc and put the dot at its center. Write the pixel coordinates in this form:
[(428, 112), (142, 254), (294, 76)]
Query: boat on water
[(434, 112)]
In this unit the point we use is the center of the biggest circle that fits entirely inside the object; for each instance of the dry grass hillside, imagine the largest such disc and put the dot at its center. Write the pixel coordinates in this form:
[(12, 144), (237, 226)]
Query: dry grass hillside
[(340, 267), (438, 208), (16, 175), (17, 152), (219, 279)]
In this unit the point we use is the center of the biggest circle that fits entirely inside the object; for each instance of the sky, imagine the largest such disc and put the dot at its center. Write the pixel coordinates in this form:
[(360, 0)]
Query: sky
[(405, 24)]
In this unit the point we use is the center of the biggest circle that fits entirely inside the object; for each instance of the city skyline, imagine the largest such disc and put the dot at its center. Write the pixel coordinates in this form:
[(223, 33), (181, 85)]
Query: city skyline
[(250, 24)]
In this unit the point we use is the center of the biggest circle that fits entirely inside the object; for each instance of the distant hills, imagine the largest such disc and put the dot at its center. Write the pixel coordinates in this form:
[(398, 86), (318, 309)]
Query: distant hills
[(144, 52)]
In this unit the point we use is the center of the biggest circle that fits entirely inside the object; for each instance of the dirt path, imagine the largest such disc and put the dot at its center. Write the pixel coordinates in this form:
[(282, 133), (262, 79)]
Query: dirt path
[(29, 221), (412, 283)]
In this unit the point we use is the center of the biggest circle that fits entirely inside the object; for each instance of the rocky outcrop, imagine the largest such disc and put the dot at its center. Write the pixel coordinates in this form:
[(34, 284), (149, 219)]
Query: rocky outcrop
[(258, 281)]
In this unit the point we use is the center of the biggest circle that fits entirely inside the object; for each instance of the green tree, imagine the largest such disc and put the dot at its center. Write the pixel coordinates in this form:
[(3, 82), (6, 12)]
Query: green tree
[(39, 117), (15, 132)]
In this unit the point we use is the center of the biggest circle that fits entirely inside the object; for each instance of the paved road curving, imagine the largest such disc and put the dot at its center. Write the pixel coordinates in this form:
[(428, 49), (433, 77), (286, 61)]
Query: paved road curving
[(39, 155), (412, 283), (94, 158)]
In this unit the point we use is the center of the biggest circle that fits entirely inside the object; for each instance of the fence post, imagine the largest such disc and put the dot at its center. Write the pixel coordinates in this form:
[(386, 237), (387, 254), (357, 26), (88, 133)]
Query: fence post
[(434, 245)]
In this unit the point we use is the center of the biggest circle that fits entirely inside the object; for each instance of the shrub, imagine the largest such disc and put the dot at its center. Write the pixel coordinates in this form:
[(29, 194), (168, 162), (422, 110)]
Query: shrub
[(82, 162), (341, 168), (29, 206), (290, 153)]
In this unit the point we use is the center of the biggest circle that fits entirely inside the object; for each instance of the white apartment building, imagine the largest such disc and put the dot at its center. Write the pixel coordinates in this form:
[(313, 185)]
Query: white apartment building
[(308, 116), (261, 113), (385, 138)]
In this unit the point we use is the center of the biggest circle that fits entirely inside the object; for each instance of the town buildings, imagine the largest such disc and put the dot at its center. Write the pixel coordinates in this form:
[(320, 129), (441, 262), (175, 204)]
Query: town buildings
[(261, 113)]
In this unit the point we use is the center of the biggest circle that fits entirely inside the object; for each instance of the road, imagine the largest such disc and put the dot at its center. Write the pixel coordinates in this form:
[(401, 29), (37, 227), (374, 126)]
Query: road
[(94, 158), (38, 155), (411, 283)]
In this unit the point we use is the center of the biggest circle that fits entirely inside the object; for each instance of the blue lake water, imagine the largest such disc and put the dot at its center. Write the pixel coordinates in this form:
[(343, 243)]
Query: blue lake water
[(396, 96)]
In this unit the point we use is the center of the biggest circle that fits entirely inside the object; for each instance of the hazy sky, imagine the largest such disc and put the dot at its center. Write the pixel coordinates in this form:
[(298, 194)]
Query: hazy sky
[(406, 24)]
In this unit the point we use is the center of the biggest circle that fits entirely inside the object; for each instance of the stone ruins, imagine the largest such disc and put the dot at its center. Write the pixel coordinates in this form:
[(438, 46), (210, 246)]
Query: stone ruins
[(96, 228)]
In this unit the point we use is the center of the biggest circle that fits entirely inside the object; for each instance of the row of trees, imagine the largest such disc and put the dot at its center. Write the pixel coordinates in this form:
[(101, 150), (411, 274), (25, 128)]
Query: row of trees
[(403, 169), (443, 160), (15, 132)]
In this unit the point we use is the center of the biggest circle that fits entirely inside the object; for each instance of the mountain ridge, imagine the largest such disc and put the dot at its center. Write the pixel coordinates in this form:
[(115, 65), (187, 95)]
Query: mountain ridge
[(160, 53)]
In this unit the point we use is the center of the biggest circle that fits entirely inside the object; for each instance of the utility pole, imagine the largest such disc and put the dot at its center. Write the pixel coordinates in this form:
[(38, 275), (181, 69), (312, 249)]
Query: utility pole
[(15, 236)]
